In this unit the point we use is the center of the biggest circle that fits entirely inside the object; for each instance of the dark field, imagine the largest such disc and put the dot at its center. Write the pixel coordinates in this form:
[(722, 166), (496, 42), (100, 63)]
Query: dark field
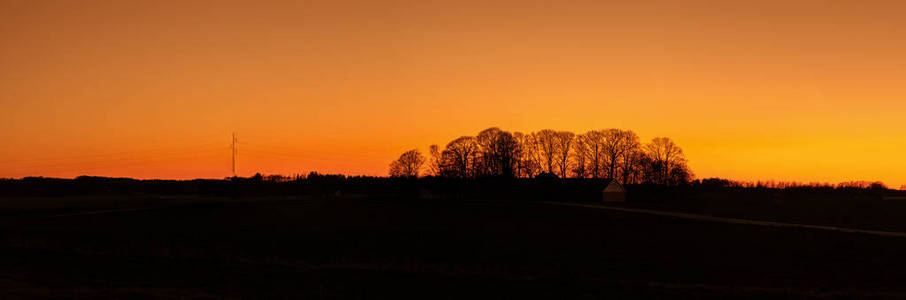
[(851, 209), (382, 247)]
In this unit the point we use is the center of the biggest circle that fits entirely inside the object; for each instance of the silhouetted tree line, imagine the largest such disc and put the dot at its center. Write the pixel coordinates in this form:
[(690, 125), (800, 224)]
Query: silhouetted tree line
[(783, 185), (315, 184), (609, 153), (802, 195), (430, 187), (257, 185)]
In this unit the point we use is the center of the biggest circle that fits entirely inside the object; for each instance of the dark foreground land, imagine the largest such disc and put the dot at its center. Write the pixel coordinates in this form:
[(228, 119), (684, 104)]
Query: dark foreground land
[(384, 247)]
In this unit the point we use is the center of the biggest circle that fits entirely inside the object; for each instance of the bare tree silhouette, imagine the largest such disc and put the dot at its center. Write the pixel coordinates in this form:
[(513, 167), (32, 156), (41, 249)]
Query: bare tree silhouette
[(631, 167), (629, 156), (547, 141), (508, 153), (435, 161), (610, 153), (530, 156), (460, 158), (580, 157), (408, 164), (564, 145), (615, 141), (594, 142), (665, 156), (499, 152)]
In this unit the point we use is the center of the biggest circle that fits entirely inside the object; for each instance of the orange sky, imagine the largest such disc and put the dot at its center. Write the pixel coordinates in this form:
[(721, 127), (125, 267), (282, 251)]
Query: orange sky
[(806, 91)]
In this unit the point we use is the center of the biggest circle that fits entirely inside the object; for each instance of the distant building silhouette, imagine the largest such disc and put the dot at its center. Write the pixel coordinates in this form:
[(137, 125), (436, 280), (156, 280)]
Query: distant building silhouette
[(613, 192)]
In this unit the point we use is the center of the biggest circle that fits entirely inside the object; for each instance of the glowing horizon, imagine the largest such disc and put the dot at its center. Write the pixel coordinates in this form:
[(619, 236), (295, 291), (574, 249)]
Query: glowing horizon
[(810, 91)]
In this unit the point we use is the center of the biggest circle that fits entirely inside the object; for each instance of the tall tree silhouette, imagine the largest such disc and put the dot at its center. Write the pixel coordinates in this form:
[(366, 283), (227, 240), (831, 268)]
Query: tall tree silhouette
[(459, 157), (629, 156), (615, 141), (488, 151), (665, 156), (548, 143), (434, 165), (408, 164), (580, 156), (530, 156), (631, 166), (499, 152), (564, 147), (594, 142), (508, 154)]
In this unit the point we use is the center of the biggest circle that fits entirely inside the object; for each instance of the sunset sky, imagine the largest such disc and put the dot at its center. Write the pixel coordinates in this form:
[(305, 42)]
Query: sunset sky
[(751, 90)]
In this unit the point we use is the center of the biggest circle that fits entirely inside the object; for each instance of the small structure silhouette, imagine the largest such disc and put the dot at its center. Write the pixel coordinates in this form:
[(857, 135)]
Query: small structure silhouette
[(613, 192)]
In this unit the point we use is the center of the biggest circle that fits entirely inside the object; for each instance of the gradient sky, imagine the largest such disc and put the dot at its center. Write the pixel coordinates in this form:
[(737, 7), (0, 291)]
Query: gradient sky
[(783, 90)]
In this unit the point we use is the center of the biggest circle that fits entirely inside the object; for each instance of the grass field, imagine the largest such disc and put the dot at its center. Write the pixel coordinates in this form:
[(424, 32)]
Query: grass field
[(382, 247)]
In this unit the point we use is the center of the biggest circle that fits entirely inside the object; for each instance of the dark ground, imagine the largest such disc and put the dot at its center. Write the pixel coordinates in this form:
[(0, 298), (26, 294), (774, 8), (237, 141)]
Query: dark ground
[(360, 247), (851, 209)]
